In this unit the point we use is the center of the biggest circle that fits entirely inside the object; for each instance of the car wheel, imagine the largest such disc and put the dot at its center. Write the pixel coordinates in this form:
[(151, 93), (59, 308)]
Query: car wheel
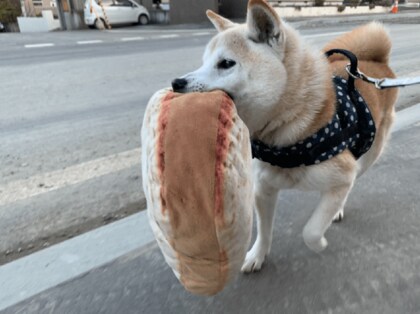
[(143, 19), (99, 24)]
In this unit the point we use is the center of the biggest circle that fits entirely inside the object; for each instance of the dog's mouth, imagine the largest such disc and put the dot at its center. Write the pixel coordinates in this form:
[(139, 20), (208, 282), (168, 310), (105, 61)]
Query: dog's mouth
[(179, 85), (229, 94)]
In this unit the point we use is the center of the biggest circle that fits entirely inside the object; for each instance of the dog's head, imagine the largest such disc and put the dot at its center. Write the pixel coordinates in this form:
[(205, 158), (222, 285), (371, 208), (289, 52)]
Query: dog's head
[(246, 61)]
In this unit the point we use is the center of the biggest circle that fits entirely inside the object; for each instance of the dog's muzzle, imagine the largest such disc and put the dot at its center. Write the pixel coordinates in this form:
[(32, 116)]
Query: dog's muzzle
[(179, 84)]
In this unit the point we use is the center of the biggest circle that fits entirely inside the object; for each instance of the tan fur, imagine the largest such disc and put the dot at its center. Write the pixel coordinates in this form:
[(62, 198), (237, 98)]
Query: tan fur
[(372, 46), (284, 93), (300, 106), (375, 47), (218, 21), (308, 102)]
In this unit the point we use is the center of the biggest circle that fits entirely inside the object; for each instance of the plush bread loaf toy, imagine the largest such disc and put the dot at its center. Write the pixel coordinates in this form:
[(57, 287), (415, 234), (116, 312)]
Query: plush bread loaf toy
[(196, 166)]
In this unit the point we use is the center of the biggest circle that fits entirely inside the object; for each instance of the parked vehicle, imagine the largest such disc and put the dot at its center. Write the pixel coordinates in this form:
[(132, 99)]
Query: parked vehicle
[(116, 11)]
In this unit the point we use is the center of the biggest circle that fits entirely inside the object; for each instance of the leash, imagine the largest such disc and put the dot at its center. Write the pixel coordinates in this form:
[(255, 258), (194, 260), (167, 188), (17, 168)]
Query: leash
[(384, 82), (380, 83)]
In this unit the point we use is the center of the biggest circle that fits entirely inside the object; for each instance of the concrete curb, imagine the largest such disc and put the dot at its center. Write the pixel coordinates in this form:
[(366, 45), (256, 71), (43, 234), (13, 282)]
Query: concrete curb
[(309, 22), (50, 267), (45, 269), (310, 11), (406, 118), (302, 22)]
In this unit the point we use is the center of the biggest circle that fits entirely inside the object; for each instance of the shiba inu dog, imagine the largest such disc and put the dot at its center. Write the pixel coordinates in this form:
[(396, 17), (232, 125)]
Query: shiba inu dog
[(284, 92)]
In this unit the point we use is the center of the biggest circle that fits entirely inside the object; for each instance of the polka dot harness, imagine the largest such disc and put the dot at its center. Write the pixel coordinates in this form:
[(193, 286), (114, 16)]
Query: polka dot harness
[(352, 127)]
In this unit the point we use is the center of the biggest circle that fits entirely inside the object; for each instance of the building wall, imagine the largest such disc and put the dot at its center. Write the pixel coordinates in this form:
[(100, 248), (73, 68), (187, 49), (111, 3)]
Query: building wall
[(148, 4), (233, 9), (191, 11)]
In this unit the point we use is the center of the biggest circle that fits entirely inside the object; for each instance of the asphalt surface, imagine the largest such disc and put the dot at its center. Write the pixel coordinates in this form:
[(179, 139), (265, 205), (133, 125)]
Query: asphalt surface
[(370, 266), (78, 103), (68, 105)]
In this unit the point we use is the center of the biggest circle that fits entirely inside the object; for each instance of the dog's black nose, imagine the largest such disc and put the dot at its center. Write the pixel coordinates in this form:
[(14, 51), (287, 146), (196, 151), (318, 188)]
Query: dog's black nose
[(179, 84)]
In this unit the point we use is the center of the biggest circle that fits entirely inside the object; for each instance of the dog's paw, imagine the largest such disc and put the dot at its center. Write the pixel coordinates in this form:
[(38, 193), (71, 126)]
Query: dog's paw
[(339, 216), (316, 245), (314, 240), (253, 261)]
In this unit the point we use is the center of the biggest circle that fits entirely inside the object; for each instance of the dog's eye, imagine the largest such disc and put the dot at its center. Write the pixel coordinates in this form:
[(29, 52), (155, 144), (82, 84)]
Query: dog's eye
[(225, 64)]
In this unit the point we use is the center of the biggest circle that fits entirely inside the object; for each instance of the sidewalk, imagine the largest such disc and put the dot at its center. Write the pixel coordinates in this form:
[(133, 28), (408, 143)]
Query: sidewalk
[(411, 16), (370, 266), (404, 17)]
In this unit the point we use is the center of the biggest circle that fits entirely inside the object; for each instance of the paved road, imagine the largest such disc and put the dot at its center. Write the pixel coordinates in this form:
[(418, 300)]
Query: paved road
[(74, 103), (67, 105), (370, 266)]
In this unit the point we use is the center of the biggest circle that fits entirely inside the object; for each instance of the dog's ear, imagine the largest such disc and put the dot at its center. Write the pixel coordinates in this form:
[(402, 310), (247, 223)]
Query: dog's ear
[(218, 21), (263, 22)]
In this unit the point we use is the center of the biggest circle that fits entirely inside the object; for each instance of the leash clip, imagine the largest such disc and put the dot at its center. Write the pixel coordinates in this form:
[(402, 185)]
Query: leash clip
[(380, 83), (360, 75)]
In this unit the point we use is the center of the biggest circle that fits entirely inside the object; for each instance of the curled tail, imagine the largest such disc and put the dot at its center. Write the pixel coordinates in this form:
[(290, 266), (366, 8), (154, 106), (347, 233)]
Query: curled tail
[(369, 42)]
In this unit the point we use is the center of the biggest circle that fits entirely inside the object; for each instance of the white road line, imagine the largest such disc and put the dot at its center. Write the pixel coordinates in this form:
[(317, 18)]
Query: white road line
[(43, 183), (142, 31), (132, 38), (47, 182), (39, 45), (406, 117), (324, 35), (201, 34), (32, 274), (125, 39), (88, 42), (167, 36)]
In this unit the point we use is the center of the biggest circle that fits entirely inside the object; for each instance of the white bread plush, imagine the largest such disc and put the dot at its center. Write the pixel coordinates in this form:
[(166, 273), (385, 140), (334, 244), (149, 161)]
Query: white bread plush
[(196, 166)]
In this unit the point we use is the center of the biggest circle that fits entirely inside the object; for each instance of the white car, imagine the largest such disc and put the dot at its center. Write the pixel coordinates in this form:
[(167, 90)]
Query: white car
[(116, 11)]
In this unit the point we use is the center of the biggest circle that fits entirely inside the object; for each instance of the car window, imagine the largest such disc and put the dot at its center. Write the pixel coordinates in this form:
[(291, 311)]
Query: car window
[(107, 3), (123, 3)]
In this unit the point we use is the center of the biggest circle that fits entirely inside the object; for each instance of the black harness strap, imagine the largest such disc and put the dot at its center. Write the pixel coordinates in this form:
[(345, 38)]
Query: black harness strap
[(353, 64), (327, 142), (364, 131)]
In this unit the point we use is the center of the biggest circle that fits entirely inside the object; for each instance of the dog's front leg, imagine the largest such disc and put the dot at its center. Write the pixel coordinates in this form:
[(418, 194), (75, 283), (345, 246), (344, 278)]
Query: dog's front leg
[(265, 205), (331, 203)]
